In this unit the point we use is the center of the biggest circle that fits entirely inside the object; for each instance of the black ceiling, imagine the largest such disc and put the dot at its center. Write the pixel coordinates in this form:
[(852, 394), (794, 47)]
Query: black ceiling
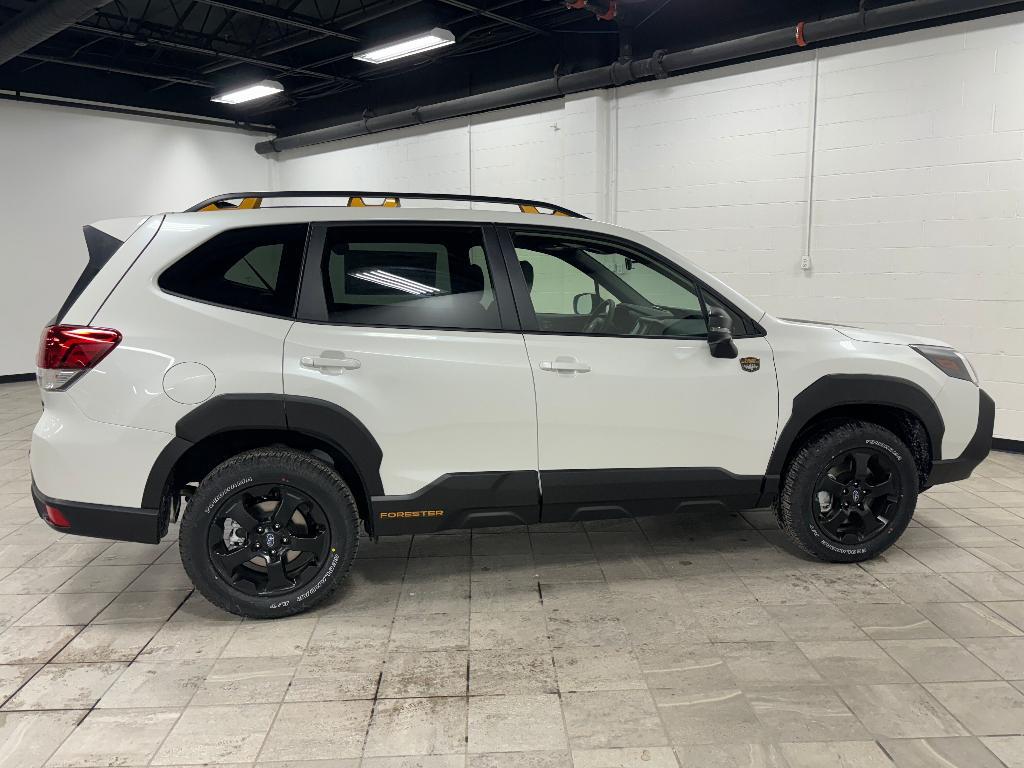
[(174, 55)]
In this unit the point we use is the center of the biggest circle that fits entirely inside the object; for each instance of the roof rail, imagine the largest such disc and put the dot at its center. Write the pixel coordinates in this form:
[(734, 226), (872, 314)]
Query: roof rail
[(249, 200)]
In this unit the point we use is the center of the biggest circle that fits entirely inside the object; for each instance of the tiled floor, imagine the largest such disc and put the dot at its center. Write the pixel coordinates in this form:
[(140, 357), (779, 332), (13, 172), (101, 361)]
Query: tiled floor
[(694, 640)]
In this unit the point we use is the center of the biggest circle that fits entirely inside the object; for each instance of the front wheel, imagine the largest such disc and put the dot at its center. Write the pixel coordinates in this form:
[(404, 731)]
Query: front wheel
[(849, 493), (269, 533)]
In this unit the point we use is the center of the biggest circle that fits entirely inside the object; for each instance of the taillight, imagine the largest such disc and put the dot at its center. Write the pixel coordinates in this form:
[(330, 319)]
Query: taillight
[(68, 351)]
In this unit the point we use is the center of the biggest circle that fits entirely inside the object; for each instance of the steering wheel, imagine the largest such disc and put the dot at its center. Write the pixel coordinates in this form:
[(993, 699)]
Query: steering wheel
[(600, 317)]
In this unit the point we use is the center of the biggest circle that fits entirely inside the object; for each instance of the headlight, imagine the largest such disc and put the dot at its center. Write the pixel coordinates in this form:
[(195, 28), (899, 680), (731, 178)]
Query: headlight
[(947, 360)]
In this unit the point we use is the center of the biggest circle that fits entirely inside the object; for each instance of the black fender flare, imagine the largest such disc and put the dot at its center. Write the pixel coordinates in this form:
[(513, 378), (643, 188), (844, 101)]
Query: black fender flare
[(836, 390), (308, 416)]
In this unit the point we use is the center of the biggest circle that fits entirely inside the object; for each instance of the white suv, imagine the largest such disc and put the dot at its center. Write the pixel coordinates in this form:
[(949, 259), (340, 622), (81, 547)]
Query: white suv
[(284, 375)]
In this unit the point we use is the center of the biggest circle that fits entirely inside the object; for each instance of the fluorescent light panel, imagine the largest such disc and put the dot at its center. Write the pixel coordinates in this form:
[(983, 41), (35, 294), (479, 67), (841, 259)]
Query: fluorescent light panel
[(258, 90), (427, 41)]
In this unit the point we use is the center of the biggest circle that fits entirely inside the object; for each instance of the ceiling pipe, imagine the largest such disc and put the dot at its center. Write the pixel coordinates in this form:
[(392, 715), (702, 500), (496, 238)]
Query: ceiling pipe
[(659, 65), (41, 21)]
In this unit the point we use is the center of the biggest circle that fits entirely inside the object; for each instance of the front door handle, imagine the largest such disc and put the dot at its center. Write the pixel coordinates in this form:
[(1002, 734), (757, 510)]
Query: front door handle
[(564, 364), (330, 363)]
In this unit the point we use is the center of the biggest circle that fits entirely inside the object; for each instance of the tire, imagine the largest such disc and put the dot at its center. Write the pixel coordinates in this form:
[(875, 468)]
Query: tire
[(292, 566), (829, 462)]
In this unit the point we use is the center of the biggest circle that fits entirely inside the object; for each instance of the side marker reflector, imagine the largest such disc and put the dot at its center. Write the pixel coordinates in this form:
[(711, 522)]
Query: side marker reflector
[(56, 517)]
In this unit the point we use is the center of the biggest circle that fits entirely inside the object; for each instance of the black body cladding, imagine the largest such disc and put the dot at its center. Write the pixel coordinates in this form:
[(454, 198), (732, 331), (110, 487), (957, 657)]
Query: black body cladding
[(147, 525), (464, 500), (229, 413)]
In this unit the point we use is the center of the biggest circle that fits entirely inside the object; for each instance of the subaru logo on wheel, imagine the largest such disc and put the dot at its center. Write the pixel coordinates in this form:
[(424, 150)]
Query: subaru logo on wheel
[(270, 540)]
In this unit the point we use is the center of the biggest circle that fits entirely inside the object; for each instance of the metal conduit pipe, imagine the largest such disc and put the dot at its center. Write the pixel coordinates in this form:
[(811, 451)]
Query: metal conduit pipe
[(39, 22), (660, 65)]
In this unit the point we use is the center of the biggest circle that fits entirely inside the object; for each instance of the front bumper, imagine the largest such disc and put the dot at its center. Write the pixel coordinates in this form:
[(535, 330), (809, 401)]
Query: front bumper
[(960, 468), (147, 526)]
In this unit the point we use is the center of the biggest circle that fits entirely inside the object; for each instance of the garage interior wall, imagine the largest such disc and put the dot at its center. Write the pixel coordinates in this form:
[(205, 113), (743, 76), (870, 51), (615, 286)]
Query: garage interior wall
[(64, 167), (878, 183)]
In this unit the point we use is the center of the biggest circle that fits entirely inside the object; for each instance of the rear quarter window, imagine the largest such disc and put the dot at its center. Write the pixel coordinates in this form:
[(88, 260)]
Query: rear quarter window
[(255, 269)]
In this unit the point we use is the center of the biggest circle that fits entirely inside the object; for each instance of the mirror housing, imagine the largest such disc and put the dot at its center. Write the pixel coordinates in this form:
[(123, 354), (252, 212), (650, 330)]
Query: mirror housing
[(585, 303), (720, 334)]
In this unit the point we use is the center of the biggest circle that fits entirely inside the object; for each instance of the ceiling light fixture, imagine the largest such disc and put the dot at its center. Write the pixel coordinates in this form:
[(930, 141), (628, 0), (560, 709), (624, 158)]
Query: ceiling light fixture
[(427, 41), (249, 92)]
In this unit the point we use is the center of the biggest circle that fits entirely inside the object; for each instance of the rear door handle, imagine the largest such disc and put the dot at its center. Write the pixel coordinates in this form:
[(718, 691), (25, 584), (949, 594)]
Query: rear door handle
[(564, 364), (330, 363)]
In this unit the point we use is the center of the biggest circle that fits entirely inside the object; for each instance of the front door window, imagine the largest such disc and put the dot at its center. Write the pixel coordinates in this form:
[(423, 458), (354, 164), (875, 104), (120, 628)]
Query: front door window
[(581, 285)]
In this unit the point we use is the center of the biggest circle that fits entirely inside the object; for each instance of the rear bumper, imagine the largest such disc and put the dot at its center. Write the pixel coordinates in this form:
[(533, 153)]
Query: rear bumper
[(147, 526), (960, 468)]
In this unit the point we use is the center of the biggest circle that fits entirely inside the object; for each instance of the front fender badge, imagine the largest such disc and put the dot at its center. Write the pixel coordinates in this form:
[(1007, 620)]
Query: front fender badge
[(750, 364)]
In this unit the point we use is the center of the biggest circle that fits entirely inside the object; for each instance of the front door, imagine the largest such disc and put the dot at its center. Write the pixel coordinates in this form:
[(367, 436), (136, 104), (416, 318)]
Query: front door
[(409, 329), (634, 414)]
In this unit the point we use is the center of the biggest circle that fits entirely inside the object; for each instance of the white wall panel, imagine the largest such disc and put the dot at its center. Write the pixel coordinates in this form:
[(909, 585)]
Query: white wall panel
[(424, 160), (64, 168), (918, 193)]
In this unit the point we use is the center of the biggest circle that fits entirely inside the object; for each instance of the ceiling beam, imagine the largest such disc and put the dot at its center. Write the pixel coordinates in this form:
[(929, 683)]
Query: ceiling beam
[(39, 22), (495, 16), (348, 21), (155, 41), (280, 18), (116, 70)]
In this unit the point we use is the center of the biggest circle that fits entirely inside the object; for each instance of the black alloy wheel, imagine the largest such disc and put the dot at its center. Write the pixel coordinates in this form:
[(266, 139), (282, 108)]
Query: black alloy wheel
[(269, 539), (848, 492), (857, 495), (270, 532)]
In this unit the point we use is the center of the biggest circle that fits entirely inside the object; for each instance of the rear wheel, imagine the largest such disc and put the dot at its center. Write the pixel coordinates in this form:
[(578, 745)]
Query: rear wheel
[(269, 533), (848, 493)]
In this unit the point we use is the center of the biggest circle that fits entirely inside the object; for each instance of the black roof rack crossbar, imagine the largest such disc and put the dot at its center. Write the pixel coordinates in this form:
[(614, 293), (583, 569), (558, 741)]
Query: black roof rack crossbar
[(524, 205)]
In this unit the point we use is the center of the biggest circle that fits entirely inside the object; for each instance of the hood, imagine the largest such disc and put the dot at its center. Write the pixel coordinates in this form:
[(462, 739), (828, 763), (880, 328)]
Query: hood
[(874, 337), (884, 337)]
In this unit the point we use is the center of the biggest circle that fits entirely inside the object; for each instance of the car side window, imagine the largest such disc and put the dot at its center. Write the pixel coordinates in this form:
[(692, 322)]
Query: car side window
[(553, 282), (407, 276), (254, 269), (583, 285)]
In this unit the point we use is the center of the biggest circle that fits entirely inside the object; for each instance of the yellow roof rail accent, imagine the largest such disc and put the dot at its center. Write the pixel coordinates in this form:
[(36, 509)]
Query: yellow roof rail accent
[(357, 199), (389, 202), (527, 208), (247, 203)]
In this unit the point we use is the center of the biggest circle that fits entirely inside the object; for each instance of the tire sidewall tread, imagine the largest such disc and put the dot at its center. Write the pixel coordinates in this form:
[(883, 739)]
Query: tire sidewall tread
[(795, 511), (257, 467)]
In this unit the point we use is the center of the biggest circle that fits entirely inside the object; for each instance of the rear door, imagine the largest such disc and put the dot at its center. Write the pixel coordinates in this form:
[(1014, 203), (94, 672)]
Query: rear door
[(410, 327), (634, 414)]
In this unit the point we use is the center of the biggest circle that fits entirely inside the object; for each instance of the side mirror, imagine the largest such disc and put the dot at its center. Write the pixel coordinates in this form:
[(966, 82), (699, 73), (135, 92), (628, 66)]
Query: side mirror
[(585, 303), (720, 334)]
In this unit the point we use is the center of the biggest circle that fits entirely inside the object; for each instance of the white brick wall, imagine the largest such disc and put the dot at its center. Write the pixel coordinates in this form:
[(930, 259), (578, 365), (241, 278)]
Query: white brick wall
[(919, 194), (918, 186)]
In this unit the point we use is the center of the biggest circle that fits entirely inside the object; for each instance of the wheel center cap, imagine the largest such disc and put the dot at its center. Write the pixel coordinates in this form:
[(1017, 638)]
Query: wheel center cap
[(855, 495), (270, 541)]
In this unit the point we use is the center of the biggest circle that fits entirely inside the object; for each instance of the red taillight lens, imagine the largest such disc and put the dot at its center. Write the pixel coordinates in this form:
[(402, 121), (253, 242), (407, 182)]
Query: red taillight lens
[(56, 517), (67, 351)]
